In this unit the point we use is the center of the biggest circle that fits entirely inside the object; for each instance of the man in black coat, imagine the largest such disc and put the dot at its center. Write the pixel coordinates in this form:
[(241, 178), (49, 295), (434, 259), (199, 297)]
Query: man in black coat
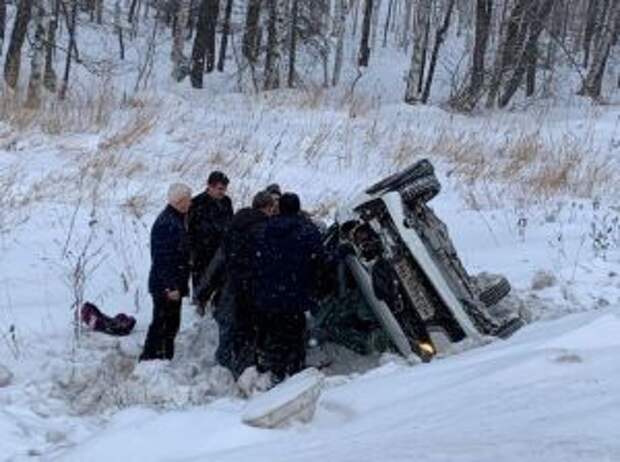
[(209, 217), (169, 275), (234, 304), (288, 258)]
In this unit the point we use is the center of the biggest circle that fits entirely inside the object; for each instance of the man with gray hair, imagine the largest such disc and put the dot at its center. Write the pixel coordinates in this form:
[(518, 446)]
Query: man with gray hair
[(169, 275)]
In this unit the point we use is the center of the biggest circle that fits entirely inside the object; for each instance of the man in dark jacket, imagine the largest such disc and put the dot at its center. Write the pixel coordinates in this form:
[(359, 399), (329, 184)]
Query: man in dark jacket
[(169, 275), (287, 260), (234, 303), (209, 217)]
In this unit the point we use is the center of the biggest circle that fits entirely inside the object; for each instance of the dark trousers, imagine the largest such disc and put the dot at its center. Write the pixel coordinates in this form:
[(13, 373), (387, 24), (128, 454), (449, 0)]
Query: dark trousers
[(159, 343), (244, 336), (196, 275), (237, 332), (280, 345)]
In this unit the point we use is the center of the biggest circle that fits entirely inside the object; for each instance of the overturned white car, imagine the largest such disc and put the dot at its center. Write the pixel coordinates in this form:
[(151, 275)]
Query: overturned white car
[(398, 262)]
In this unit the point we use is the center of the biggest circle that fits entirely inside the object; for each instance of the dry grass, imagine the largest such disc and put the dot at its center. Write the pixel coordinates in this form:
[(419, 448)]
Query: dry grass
[(81, 111), (526, 168), (138, 127)]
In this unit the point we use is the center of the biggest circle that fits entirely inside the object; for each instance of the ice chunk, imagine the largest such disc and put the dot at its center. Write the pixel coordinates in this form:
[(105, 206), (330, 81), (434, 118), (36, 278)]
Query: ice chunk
[(292, 400)]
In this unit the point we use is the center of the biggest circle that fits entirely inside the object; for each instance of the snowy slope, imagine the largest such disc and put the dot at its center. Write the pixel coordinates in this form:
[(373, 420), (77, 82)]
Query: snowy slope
[(550, 393)]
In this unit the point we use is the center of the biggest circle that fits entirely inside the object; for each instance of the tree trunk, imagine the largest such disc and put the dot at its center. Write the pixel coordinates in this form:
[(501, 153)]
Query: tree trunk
[(49, 77), (204, 28), (484, 12), (374, 27), (356, 14), (364, 53), (388, 18), (119, 29), (406, 37), (71, 47), (592, 86), (510, 47), (132, 11), (558, 28), (2, 24), (33, 97), (99, 12), (272, 61), (225, 33), (179, 61), (439, 39), (340, 22), (590, 25), (413, 92), (18, 35), (214, 11), (249, 47), (531, 63), (292, 52), (534, 22)]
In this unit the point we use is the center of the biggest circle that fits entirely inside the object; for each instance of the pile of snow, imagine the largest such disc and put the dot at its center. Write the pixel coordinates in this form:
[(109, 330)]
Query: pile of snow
[(103, 375), (106, 375)]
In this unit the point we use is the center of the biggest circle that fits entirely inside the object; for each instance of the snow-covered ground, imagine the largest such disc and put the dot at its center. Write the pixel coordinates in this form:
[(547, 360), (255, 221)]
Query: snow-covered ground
[(531, 193)]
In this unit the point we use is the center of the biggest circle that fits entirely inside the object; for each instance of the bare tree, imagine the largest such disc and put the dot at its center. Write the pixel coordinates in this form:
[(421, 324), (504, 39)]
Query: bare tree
[(249, 46), (484, 11), (225, 33), (99, 11), (119, 29), (439, 39), (2, 23), (364, 53), (292, 54), (211, 25), (593, 83), (276, 37), (511, 45), (534, 23), (593, 14), (415, 77), (340, 21), (388, 18), (180, 66), (49, 75), (72, 30), (18, 35), (374, 26), (203, 52), (33, 98), (406, 35)]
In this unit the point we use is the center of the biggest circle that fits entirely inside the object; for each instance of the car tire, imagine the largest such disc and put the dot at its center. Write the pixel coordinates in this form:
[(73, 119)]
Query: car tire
[(421, 190), (398, 180), (494, 293)]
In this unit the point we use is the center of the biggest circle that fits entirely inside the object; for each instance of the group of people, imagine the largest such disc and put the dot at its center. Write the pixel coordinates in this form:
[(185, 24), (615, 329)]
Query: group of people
[(258, 267)]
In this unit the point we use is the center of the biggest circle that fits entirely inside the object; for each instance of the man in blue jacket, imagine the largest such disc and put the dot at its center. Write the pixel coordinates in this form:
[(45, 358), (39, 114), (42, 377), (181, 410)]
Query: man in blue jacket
[(169, 275), (288, 257)]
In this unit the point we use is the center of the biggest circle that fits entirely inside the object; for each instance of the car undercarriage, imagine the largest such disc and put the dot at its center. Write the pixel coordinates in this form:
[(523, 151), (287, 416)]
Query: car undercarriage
[(409, 285)]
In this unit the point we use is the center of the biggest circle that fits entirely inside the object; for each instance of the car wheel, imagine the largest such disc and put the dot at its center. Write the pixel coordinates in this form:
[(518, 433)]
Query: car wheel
[(418, 170), (421, 190), (495, 292)]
